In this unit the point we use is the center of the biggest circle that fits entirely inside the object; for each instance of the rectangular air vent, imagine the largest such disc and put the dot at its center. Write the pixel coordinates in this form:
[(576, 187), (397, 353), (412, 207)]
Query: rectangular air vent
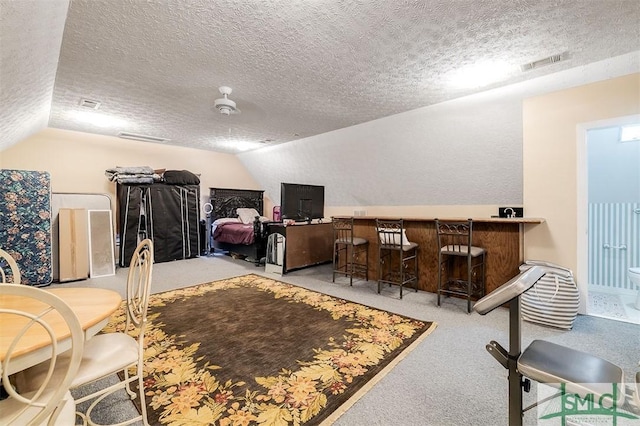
[(143, 138), (542, 62), (89, 103)]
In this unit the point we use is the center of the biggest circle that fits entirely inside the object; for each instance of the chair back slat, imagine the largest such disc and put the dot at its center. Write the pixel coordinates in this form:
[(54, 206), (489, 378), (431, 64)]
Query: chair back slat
[(390, 232), (9, 271), (343, 229), (139, 284), (455, 237)]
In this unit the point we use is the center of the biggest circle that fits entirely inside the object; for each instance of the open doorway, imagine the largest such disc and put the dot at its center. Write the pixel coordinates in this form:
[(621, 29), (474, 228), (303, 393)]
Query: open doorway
[(609, 219)]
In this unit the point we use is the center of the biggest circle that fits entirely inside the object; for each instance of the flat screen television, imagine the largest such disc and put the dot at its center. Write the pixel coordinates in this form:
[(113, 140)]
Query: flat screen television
[(301, 202)]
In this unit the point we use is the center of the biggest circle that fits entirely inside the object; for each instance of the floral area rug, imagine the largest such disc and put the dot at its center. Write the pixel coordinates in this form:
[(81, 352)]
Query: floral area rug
[(254, 351)]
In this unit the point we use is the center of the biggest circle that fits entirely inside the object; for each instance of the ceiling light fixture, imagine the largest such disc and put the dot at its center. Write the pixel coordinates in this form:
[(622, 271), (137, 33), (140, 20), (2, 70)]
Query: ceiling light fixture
[(480, 74), (246, 146), (238, 144), (96, 119)]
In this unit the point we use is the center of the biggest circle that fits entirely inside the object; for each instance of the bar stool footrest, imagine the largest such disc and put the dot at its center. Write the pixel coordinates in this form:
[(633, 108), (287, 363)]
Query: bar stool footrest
[(459, 288)]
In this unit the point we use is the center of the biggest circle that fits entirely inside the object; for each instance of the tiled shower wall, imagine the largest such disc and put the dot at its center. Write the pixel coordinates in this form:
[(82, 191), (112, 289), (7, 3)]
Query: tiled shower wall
[(614, 244)]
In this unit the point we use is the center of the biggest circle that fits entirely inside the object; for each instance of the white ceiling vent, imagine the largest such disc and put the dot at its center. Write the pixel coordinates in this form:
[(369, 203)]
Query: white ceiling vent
[(143, 138), (89, 103), (542, 62)]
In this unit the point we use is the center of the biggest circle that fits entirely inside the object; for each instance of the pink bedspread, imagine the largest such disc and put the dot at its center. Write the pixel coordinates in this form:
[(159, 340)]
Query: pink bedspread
[(234, 233)]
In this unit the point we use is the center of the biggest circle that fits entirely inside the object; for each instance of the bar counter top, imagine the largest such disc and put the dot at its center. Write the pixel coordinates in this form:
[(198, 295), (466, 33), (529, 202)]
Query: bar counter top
[(532, 220)]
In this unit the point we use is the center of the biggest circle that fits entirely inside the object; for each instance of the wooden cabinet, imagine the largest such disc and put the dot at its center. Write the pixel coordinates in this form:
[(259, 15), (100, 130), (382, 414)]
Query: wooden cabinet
[(305, 244)]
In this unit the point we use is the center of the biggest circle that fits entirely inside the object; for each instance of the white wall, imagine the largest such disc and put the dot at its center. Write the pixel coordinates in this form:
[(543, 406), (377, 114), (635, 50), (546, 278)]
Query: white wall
[(460, 156), (464, 152)]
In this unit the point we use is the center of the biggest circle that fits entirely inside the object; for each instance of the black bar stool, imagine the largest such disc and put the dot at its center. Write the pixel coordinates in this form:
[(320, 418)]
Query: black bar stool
[(455, 241), (347, 251), (396, 255)]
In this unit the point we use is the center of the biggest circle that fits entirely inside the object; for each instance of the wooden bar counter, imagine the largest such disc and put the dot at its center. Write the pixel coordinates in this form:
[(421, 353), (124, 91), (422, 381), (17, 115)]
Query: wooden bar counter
[(502, 238)]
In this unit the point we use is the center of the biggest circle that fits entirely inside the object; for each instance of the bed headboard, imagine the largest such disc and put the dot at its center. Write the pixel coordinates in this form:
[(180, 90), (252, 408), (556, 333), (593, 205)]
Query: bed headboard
[(225, 201)]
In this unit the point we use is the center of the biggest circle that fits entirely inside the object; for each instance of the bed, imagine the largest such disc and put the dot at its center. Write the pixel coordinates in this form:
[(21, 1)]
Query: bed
[(245, 236)]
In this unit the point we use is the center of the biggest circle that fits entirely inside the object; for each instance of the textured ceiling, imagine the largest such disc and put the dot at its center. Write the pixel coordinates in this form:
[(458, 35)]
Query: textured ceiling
[(30, 39), (300, 68)]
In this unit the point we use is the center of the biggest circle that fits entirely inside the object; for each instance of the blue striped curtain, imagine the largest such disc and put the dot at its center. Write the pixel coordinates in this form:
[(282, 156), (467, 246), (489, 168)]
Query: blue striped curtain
[(614, 243)]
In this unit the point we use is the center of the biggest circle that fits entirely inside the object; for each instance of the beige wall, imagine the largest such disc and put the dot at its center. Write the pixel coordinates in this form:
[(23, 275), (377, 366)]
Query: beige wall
[(77, 161), (550, 167)]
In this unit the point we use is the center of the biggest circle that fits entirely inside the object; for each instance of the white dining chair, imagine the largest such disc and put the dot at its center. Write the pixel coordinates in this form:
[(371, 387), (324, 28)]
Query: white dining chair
[(50, 403), (122, 352), (8, 262)]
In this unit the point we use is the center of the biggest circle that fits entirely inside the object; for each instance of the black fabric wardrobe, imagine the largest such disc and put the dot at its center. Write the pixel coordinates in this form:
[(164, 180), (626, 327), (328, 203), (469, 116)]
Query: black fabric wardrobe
[(169, 215)]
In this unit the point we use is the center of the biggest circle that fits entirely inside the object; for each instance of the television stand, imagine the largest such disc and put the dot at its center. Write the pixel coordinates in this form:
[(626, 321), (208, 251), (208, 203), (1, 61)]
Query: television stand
[(305, 244)]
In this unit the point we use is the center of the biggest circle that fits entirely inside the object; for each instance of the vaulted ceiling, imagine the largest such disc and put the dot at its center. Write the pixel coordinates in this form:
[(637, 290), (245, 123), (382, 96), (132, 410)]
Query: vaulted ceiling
[(297, 67)]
